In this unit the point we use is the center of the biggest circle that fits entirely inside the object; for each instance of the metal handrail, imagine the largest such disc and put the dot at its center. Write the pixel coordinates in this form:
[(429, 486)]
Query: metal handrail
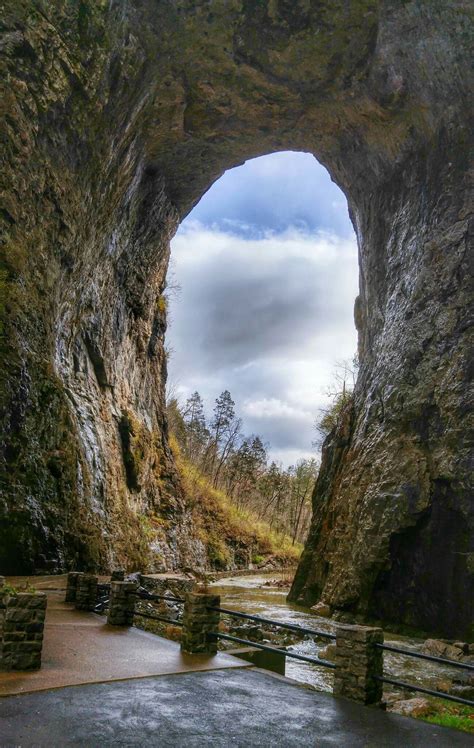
[(409, 687), (259, 619), (266, 648), (159, 618), (149, 596), (101, 605), (421, 656), (144, 595)]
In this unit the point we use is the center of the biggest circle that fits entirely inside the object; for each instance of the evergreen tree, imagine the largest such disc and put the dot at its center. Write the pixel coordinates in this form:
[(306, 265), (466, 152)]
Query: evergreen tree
[(197, 431)]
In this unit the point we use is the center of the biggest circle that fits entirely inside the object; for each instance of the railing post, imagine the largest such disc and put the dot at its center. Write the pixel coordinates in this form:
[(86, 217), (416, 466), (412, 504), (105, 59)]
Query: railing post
[(122, 603), (199, 622), (71, 588), (3, 610), (86, 592), (23, 617), (358, 663)]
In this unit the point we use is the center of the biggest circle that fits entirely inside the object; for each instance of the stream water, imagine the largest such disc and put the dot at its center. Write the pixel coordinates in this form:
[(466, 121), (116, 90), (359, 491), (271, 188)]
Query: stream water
[(250, 594)]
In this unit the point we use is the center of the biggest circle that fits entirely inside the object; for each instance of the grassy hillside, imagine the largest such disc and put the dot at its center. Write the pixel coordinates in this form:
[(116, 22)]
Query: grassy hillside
[(230, 535)]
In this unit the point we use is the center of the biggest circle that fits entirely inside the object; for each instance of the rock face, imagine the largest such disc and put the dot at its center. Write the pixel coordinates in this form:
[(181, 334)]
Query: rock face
[(117, 118), (417, 707), (321, 609), (449, 650)]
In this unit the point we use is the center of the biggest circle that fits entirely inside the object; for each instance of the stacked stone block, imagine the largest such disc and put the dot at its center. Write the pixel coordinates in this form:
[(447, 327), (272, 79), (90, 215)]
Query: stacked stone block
[(86, 592), (22, 624), (199, 622), (122, 603), (358, 663), (164, 585), (3, 610), (71, 589)]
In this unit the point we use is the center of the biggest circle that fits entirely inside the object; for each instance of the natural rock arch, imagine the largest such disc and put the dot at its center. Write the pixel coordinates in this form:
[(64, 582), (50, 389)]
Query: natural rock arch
[(118, 117)]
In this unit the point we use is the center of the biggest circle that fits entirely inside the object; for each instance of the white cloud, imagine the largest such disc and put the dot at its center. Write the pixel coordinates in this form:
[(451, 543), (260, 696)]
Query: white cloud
[(266, 319), (273, 407), (265, 314), (292, 456)]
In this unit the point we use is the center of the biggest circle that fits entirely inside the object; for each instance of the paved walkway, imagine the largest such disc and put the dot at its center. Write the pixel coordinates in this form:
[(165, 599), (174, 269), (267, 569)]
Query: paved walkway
[(81, 648), (243, 708), (132, 688)]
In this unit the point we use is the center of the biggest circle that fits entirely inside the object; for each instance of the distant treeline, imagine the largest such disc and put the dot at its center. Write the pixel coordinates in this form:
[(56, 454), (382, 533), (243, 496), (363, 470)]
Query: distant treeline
[(238, 465)]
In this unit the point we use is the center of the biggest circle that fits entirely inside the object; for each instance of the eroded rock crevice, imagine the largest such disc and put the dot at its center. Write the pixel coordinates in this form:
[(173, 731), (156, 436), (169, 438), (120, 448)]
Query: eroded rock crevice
[(429, 571)]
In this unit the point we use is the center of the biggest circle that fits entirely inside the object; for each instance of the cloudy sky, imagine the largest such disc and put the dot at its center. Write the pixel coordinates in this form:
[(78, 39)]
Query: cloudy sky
[(267, 269)]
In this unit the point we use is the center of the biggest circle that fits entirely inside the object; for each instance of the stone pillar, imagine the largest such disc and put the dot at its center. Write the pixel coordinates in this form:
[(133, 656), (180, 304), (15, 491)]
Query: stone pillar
[(358, 662), (71, 588), (23, 626), (122, 603), (199, 622), (3, 610), (118, 575), (86, 592)]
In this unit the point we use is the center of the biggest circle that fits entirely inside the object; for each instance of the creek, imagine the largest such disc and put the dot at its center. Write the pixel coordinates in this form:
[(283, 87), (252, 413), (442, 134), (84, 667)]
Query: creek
[(256, 595)]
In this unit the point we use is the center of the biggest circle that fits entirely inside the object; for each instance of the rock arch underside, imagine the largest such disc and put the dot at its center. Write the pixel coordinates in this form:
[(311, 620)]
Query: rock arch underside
[(117, 117)]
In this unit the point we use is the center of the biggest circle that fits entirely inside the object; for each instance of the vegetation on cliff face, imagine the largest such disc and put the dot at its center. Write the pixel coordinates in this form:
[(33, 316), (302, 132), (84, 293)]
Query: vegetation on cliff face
[(341, 400)]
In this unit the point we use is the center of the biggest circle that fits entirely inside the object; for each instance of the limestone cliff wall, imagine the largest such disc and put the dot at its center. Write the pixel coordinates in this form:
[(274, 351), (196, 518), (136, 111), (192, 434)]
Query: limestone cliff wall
[(116, 117)]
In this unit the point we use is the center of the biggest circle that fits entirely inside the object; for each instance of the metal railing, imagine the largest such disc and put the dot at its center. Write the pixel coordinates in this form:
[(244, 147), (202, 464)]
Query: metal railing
[(275, 650), (325, 663), (421, 689), (275, 624), (422, 656), (146, 596), (278, 624), (162, 619), (103, 598), (101, 605)]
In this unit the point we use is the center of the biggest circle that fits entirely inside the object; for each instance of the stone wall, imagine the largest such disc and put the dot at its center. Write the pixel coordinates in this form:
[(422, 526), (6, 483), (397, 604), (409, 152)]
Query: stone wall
[(166, 585), (71, 588), (22, 618)]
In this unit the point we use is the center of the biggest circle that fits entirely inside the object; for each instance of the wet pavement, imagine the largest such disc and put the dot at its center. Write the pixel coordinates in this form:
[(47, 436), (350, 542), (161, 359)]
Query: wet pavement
[(102, 685), (231, 707), (81, 648)]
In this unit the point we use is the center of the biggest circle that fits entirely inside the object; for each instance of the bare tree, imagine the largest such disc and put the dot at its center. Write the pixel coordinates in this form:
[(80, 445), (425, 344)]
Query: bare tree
[(238, 465), (340, 394)]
